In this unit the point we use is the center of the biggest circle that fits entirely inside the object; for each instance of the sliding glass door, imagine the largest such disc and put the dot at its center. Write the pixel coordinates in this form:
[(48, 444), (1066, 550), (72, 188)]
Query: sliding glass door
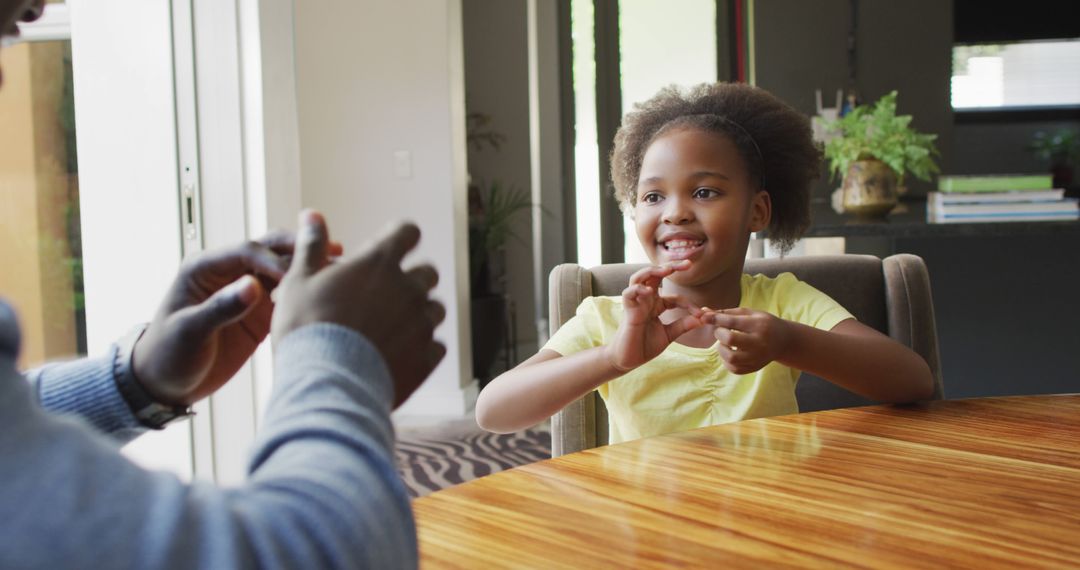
[(624, 51)]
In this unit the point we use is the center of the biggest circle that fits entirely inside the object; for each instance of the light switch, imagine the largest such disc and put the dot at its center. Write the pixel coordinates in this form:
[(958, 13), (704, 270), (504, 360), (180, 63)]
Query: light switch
[(403, 164)]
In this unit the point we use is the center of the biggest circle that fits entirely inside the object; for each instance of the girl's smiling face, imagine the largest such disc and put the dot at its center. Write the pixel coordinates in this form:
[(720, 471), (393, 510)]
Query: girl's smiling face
[(695, 201)]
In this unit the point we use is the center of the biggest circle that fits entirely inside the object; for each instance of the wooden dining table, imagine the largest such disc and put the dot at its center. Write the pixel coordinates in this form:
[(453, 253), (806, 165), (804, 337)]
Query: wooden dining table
[(978, 483)]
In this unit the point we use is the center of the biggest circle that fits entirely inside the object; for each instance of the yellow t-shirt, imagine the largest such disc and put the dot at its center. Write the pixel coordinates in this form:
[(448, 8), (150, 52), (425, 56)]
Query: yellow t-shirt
[(686, 387)]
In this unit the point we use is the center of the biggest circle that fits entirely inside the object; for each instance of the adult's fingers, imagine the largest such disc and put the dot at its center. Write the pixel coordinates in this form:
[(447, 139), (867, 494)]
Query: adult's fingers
[(312, 243), (278, 241), (399, 240), (227, 305), (421, 367), (283, 243), (426, 276), (434, 355), (249, 258), (435, 312)]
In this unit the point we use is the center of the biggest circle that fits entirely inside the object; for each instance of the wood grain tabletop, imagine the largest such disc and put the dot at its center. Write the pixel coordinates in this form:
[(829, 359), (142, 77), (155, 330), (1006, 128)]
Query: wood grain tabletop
[(980, 483)]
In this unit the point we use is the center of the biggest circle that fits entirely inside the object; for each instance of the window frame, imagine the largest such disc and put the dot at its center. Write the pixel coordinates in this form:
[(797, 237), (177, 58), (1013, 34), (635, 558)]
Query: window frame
[(1013, 113), (1025, 114), (53, 25), (734, 61), (219, 107)]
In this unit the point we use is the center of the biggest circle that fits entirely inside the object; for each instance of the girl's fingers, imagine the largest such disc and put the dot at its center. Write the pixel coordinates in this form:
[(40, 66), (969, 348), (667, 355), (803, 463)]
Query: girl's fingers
[(681, 265), (653, 274), (681, 326), (723, 336), (646, 274), (680, 302), (696, 312), (730, 338), (634, 294), (645, 293), (733, 339), (726, 320), (736, 361)]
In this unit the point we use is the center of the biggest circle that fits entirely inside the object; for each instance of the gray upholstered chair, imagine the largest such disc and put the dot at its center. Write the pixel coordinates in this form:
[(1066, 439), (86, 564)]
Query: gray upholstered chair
[(891, 295)]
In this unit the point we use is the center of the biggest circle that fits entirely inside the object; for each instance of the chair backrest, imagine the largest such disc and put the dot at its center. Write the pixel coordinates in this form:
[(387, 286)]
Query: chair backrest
[(891, 295)]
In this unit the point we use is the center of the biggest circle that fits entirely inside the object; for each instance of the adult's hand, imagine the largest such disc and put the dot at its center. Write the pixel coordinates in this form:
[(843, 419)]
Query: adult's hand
[(212, 319), (369, 293)]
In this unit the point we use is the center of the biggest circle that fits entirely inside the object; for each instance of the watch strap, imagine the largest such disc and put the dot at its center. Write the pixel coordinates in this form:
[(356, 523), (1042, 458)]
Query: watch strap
[(147, 410)]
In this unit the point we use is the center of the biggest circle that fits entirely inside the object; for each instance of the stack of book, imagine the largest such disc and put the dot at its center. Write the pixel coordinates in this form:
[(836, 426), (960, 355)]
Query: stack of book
[(998, 198)]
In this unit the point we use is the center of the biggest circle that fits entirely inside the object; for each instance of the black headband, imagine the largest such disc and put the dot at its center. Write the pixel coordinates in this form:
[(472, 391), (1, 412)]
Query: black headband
[(741, 129)]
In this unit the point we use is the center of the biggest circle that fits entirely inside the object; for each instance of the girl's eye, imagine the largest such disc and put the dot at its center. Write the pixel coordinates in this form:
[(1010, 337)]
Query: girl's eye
[(705, 193), (651, 197)]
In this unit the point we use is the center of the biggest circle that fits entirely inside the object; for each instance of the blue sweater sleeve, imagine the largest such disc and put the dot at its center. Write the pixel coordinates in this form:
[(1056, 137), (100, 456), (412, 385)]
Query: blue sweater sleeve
[(322, 491), (87, 388)]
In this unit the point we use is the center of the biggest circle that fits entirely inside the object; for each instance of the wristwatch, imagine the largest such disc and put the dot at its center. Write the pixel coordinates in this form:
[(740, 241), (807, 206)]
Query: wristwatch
[(147, 410)]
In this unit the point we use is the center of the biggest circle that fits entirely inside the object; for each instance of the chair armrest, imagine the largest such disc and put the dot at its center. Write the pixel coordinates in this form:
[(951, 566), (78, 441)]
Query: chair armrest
[(572, 429), (910, 308)]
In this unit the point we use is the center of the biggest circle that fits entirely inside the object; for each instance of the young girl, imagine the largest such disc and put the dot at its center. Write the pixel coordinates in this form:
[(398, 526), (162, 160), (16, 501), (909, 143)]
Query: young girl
[(693, 341)]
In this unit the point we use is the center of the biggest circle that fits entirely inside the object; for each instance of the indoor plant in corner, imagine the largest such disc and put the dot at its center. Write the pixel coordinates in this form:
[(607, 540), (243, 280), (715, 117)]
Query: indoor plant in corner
[(492, 212), (493, 208), (873, 151)]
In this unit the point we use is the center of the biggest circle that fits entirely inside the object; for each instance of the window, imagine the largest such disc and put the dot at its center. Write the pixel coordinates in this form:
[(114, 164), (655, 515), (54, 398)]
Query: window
[(51, 211), (656, 47), (41, 239), (1016, 74), (586, 151), (140, 145)]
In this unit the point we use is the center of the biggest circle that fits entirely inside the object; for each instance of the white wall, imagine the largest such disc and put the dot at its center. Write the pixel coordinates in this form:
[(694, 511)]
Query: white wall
[(375, 78)]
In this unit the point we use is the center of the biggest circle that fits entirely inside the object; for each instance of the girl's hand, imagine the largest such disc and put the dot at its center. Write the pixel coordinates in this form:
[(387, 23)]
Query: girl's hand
[(749, 339), (642, 336)]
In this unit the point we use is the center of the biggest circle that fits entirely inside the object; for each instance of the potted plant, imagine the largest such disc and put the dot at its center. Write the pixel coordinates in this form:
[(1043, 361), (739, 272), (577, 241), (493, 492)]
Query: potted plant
[(493, 211), (875, 148), (493, 215), (1061, 149)]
